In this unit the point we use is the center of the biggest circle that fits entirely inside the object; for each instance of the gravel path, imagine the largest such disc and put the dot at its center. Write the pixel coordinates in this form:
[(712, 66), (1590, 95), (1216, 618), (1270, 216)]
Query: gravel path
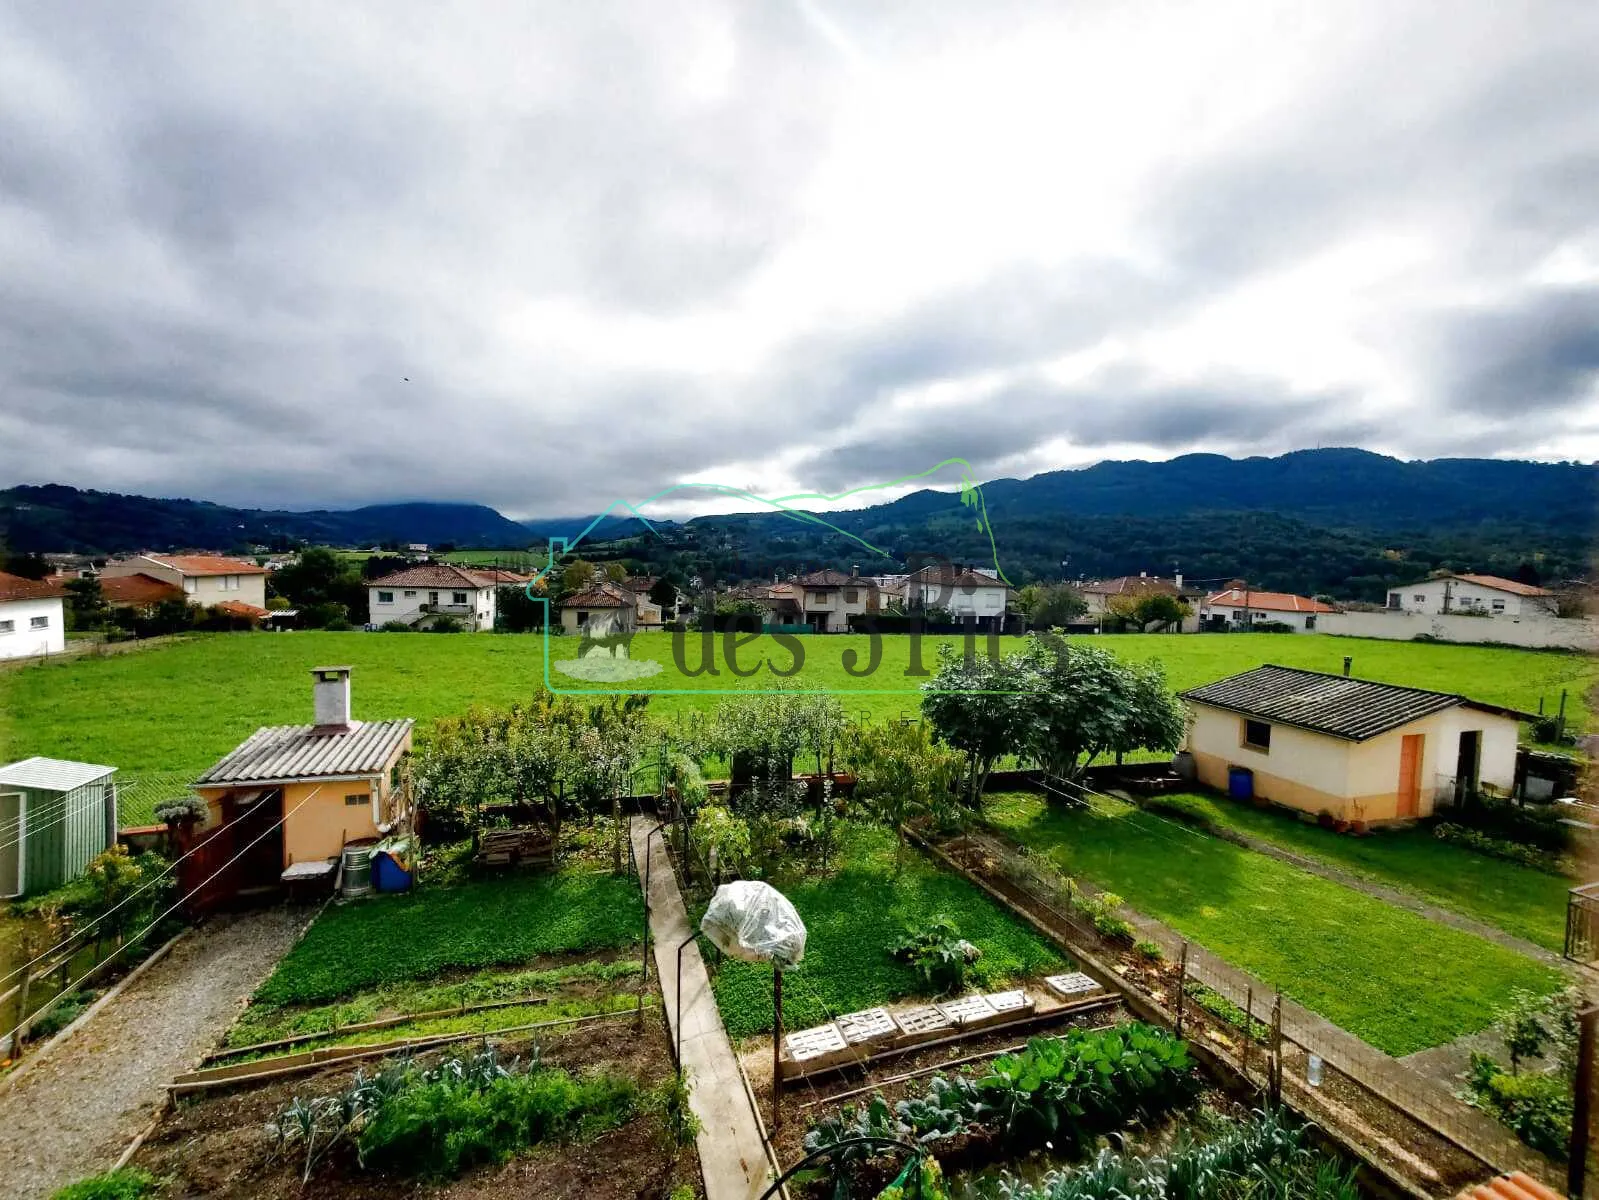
[(75, 1110)]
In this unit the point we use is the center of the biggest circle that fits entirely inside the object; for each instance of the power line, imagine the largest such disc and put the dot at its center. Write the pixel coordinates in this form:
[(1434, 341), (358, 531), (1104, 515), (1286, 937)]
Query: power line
[(8, 1037)]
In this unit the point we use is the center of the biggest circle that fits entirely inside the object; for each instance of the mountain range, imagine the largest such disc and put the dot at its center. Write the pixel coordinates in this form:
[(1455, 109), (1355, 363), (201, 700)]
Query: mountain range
[(1310, 519)]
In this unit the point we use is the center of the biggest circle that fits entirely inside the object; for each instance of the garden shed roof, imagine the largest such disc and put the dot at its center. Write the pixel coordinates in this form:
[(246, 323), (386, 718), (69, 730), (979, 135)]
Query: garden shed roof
[(52, 774), (1352, 709), (284, 753)]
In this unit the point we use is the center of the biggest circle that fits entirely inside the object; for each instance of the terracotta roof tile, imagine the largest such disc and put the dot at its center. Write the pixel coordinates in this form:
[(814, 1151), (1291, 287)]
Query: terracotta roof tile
[(136, 591), (1267, 601), (207, 564), (15, 587), (1513, 586), (603, 595), (1130, 585), (434, 575), (238, 608)]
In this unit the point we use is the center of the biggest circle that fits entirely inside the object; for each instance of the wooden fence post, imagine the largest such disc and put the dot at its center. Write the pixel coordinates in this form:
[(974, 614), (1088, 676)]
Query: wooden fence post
[(1581, 1101), (1277, 1050), (1182, 986), (1249, 1004)]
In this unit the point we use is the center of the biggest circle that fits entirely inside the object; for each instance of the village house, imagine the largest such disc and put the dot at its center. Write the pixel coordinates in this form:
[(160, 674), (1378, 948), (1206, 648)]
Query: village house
[(298, 794), (962, 591), (824, 600), (1243, 608), (1353, 748), (420, 595), (1486, 595), (1105, 597), (605, 608), (207, 580), (32, 617)]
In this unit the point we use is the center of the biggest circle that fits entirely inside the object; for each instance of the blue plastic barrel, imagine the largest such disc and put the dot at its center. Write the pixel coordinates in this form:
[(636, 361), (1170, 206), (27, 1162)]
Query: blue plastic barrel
[(388, 876), (1240, 783)]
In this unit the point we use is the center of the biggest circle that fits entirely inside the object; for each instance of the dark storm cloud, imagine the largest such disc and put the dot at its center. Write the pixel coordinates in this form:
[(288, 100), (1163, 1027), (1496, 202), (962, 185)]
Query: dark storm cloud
[(546, 256)]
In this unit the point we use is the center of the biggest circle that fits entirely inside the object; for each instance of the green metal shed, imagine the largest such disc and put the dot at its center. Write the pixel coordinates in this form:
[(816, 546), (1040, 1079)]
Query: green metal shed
[(55, 816)]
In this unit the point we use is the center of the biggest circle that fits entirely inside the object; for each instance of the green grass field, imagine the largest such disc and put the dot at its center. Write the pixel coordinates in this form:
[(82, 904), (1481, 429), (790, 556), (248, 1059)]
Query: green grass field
[(1528, 903), (852, 916), (510, 559), (1390, 976), (180, 707)]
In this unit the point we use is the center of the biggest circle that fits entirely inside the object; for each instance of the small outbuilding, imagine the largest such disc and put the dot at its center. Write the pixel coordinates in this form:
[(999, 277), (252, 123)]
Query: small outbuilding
[(55, 816), (1354, 748)]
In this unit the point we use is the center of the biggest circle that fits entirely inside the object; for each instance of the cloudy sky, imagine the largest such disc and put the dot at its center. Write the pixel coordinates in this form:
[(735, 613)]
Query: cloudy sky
[(543, 255)]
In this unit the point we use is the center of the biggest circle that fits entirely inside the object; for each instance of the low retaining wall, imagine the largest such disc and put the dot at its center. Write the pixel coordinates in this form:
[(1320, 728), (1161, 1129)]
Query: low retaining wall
[(1531, 632)]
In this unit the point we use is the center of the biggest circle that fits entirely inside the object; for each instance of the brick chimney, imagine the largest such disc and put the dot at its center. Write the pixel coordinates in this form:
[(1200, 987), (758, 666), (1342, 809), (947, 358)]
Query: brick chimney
[(330, 694)]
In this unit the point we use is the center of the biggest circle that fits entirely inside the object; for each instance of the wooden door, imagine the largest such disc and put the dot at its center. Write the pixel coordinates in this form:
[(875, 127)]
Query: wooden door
[(1410, 775)]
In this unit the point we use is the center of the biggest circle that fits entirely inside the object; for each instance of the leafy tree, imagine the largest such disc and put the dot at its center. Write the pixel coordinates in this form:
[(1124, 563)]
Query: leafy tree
[(1050, 606), (664, 593), (1090, 703), (901, 774), (325, 587), (985, 708), (516, 611), (1160, 610), (86, 604)]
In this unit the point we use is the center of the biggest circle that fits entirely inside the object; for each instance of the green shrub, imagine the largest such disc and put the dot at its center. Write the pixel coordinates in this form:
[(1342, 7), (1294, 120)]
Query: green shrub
[(125, 1183), (1495, 847), (1530, 825), (937, 953), (1536, 1106), (396, 627), (446, 1126), (63, 1014), (1148, 950), (1224, 1009)]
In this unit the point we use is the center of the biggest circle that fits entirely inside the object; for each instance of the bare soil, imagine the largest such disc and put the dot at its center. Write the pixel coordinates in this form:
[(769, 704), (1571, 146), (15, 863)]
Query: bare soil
[(216, 1146)]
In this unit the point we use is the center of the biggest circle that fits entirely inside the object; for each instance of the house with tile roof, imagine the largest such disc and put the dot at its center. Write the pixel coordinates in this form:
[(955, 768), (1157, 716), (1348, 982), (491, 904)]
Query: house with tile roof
[(204, 579), (32, 617), (289, 798), (1355, 748), (1483, 595), (421, 594), (824, 600), (1243, 608), (961, 590), (604, 608)]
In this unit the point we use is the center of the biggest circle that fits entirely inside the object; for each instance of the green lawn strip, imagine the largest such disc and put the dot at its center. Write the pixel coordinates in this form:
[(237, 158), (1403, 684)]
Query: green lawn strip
[(488, 922), (182, 706), (1528, 903), (268, 1022), (1390, 976), (492, 1020), (852, 916)]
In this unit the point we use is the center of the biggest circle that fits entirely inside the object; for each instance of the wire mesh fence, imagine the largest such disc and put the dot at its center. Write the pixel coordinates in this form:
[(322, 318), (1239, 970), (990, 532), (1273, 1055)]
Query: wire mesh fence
[(1391, 1080)]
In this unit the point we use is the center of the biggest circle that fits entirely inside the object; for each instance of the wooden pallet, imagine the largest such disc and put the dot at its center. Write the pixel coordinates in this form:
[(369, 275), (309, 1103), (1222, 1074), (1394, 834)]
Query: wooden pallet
[(516, 847)]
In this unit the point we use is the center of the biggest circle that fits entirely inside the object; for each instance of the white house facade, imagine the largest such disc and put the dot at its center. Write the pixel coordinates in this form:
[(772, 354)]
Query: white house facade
[(32, 618), (1484, 595), (1244, 609), (963, 592), (419, 596)]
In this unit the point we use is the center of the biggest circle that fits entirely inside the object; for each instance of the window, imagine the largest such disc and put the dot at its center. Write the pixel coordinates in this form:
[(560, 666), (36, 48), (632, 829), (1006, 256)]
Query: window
[(189, 584), (354, 799), (39, 623), (433, 597), (457, 597), (410, 595), (8, 626), (230, 583), (385, 597), (1499, 606), (852, 596), (1420, 598), (1394, 599), (1310, 621), (1257, 736), (582, 617)]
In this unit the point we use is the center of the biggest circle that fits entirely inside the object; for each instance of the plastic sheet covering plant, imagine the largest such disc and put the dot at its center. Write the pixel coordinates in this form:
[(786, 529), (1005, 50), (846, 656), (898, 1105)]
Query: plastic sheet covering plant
[(755, 922)]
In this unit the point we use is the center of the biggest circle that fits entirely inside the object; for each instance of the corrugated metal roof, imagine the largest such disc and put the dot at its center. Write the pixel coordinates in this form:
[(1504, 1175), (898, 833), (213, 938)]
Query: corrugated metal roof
[(1352, 709), (283, 752), (52, 774)]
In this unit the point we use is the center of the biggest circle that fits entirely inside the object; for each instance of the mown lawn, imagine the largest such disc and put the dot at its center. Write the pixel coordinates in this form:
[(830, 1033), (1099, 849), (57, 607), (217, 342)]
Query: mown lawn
[(1396, 979), (180, 707), (488, 922), (1517, 899), (852, 916)]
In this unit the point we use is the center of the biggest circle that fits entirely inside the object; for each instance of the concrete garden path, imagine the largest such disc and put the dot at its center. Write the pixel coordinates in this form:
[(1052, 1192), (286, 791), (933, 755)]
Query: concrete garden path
[(74, 1110), (732, 1150)]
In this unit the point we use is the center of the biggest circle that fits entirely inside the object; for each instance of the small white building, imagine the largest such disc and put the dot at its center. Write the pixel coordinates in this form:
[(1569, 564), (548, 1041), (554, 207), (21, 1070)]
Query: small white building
[(32, 617), (206, 579), (420, 595), (1354, 748), (1242, 609), (964, 592), (602, 609), (1488, 595)]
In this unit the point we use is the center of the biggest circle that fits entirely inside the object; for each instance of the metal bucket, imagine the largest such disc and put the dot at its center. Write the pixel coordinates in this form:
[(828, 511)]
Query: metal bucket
[(357, 872)]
